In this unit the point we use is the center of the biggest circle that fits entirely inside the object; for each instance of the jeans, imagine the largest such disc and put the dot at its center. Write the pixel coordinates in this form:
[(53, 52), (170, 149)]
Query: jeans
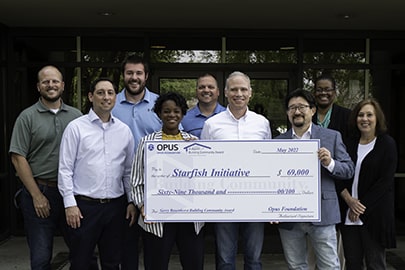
[(40, 231), (323, 240), (227, 244)]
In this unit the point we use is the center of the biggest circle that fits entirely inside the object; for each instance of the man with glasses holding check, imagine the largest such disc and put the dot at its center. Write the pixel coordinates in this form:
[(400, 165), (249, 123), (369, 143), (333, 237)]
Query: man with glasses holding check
[(335, 165)]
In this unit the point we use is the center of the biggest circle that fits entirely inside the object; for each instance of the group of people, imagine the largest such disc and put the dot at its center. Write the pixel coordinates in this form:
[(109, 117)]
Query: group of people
[(84, 174)]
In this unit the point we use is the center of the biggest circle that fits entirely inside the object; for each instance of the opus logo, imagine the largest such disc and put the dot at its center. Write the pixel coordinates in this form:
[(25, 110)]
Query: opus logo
[(151, 147), (167, 147)]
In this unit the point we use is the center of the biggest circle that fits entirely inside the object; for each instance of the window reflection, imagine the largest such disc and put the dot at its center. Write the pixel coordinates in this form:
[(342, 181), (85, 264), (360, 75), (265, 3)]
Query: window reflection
[(268, 100), (185, 56)]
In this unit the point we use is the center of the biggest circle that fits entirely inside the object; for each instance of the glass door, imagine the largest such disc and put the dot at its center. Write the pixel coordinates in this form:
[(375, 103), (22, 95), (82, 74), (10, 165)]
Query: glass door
[(269, 91)]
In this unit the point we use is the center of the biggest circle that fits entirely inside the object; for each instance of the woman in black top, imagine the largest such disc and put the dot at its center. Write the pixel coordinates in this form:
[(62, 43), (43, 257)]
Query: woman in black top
[(368, 221)]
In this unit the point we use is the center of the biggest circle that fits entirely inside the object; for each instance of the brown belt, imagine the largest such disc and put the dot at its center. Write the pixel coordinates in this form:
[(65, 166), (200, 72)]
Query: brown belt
[(47, 182), (85, 198)]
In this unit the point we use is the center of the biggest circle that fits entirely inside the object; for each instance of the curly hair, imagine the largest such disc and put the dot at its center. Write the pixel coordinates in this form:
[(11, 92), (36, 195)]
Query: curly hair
[(177, 98)]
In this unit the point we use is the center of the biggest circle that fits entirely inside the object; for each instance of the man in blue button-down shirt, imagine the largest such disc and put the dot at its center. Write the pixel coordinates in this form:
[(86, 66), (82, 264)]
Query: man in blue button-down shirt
[(135, 102), (134, 107)]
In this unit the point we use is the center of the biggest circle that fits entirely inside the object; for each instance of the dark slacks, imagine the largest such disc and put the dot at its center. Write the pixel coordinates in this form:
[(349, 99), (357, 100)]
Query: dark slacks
[(358, 247), (189, 244), (130, 249), (102, 226)]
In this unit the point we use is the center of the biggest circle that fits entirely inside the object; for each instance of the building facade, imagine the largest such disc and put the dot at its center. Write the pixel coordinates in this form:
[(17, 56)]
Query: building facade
[(364, 64)]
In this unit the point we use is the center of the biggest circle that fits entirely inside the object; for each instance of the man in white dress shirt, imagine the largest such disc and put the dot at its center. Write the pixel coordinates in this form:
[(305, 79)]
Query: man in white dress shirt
[(237, 122), (96, 155)]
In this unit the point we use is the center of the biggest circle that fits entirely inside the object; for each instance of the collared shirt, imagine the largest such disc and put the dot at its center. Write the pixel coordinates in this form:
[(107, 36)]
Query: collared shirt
[(95, 159), (194, 120), (140, 117), (326, 121), (36, 136), (224, 126), (307, 136)]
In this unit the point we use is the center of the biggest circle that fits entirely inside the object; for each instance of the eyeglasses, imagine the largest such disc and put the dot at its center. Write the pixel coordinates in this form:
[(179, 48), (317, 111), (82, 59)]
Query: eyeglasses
[(327, 90), (302, 108)]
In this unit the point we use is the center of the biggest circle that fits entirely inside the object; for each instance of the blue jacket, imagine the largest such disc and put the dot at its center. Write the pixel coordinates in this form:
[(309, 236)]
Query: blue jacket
[(344, 170)]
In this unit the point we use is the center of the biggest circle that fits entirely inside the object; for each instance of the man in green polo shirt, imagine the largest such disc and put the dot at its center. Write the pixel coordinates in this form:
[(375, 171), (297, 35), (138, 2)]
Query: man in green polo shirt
[(34, 150)]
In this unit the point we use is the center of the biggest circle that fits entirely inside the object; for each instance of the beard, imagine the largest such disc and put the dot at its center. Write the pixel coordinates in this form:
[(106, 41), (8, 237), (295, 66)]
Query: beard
[(135, 92), (51, 99), (298, 123)]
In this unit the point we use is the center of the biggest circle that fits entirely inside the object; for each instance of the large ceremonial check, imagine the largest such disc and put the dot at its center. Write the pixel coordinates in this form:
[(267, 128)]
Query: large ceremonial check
[(272, 180)]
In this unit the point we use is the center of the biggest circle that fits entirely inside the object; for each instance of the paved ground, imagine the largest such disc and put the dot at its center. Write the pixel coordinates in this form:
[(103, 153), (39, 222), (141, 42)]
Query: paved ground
[(14, 255)]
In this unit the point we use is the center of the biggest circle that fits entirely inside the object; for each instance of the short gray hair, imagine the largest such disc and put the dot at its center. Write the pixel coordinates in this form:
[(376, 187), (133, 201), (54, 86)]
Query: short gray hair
[(235, 74)]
